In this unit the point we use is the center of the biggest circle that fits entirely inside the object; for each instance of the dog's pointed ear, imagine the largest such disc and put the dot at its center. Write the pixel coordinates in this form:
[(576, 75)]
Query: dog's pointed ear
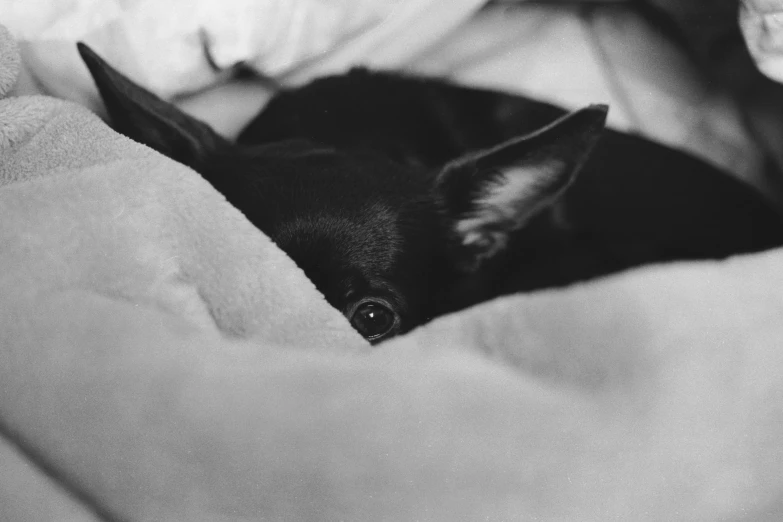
[(490, 194), (145, 118)]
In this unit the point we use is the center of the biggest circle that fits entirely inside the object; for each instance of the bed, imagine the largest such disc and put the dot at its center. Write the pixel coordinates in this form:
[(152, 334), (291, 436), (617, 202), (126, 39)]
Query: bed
[(161, 359)]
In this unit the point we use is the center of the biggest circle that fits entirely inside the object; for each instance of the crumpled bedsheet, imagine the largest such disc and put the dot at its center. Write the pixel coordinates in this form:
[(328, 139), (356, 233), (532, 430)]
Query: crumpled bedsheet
[(161, 359), (761, 22), (182, 46)]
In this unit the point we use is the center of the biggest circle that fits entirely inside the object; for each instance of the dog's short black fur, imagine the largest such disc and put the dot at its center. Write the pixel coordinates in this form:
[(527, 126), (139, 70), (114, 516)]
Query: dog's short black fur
[(405, 198)]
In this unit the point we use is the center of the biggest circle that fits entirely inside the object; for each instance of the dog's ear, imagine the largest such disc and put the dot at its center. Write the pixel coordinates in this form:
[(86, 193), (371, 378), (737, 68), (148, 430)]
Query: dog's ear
[(144, 117), (490, 194)]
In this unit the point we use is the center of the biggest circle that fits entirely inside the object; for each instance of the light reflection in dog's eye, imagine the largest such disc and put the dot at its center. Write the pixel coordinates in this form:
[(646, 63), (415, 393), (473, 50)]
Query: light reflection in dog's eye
[(373, 320)]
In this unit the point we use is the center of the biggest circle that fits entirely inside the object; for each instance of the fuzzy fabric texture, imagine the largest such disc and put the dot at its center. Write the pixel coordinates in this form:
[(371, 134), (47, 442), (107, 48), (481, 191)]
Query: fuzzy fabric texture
[(161, 359)]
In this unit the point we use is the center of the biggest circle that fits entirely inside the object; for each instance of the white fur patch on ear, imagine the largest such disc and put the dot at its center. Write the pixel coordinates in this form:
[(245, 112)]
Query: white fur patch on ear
[(520, 192), (514, 196), (505, 205)]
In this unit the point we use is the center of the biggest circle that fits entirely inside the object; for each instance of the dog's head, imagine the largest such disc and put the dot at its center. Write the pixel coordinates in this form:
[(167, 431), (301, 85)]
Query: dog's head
[(383, 241)]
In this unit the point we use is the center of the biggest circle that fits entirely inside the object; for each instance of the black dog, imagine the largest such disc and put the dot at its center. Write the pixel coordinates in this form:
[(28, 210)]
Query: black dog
[(405, 198)]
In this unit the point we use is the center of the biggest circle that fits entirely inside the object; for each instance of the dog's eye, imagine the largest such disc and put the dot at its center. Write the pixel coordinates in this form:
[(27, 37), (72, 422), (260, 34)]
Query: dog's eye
[(374, 320)]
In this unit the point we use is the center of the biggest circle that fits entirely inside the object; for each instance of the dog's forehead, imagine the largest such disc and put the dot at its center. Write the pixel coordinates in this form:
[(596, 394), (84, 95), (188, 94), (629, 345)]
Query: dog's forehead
[(296, 179), (365, 239), (355, 224), (335, 212), (302, 158), (343, 252), (318, 202)]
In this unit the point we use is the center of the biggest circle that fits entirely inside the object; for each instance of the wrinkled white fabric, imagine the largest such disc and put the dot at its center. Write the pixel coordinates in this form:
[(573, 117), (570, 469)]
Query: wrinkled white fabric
[(761, 22), (180, 46)]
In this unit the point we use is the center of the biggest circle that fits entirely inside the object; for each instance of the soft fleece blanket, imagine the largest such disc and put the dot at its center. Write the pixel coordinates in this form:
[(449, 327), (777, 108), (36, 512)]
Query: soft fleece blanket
[(160, 359)]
